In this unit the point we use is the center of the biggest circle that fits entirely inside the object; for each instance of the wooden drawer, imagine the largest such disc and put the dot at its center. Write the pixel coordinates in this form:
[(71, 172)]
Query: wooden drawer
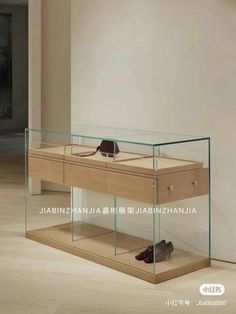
[(45, 169), (85, 177), (182, 185), (130, 186), (136, 186)]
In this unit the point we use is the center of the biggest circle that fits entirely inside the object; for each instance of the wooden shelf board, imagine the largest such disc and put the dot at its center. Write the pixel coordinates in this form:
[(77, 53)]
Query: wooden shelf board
[(96, 244)]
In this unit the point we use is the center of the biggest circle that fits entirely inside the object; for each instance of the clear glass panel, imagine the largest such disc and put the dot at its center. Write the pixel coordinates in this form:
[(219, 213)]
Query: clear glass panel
[(183, 205), (48, 209), (147, 138), (5, 67), (92, 216), (135, 189), (155, 216), (134, 232), (47, 199)]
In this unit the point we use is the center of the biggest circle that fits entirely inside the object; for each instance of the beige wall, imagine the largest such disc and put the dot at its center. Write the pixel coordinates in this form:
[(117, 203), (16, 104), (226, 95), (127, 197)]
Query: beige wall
[(168, 66), (49, 58), (19, 67), (34, 64), (34, 114), (56, 72), (49, 71), (56, 87)]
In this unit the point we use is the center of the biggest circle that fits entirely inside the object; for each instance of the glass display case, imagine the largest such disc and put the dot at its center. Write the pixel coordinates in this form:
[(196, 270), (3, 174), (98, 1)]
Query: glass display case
[(135, 201)]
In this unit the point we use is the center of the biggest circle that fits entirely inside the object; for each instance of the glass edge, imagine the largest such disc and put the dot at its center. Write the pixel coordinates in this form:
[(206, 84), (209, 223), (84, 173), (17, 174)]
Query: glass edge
[(26, 134), (117, 140), (209, 201)]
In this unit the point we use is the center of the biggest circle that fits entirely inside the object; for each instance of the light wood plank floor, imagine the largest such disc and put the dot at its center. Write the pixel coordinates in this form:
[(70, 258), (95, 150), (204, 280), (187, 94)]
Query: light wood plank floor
[(36, 279)]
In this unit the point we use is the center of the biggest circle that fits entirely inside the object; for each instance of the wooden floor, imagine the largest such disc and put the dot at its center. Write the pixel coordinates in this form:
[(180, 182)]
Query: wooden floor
[(37, 279)]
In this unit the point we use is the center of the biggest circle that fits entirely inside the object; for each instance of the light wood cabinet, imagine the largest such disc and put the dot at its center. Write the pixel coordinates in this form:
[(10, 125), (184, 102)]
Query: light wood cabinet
[(133, 178), (47, 169), (85, 177)]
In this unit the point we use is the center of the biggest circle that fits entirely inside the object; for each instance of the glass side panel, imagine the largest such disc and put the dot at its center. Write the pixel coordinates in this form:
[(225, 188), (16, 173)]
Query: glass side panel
[(149, 138), (183, 209)]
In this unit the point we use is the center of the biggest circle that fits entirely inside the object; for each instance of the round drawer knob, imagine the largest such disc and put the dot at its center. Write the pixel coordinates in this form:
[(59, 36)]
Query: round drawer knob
[(171, 187), (195, 183)]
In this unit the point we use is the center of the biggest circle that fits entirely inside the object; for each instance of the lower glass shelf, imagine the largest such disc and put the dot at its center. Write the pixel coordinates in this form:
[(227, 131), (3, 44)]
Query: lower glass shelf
[(97, 244)]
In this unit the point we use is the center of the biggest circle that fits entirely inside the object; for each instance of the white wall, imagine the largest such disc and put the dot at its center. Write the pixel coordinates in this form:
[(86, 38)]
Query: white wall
[(168, 66)]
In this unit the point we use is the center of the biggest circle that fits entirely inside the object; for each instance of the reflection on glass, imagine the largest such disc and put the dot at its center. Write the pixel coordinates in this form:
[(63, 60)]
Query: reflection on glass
[(5, 67)]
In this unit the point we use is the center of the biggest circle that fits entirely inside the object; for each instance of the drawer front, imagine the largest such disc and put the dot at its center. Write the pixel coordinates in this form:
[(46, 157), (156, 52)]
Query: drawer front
[(130, 187), (182, 185), (85, 177), (48, 170)]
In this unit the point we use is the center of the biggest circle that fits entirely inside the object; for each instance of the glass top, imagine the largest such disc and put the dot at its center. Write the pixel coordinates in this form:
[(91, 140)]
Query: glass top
[(141, 137)]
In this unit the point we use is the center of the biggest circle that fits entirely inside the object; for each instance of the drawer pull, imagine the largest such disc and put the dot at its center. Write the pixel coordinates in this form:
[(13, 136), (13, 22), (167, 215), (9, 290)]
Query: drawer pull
[(171, 187), (195, 183)]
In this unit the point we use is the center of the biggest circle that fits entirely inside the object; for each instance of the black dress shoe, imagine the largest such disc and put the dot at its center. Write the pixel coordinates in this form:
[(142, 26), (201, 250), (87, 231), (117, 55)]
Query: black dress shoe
[(149, 250), (160, 253)]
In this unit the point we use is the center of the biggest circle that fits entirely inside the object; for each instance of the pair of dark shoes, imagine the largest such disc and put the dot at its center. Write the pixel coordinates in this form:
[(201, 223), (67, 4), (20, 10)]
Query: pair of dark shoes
[(162, 250)]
